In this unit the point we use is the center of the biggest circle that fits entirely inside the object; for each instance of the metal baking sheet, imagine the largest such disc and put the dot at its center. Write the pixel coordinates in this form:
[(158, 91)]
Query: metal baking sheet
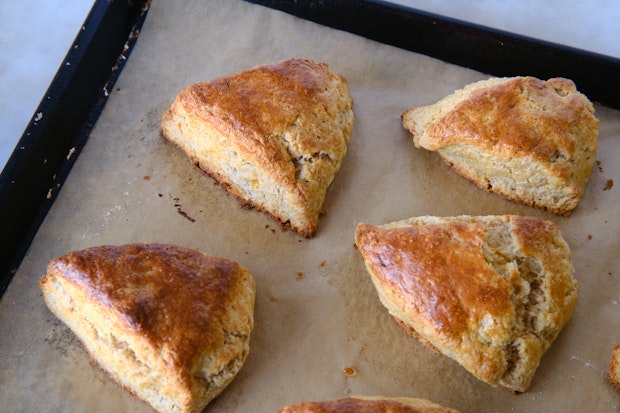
[(61, 124), (317, 316)]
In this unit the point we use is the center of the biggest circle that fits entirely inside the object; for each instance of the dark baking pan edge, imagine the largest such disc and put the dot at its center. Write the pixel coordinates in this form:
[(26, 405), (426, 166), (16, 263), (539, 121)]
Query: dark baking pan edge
[(487, 50), (60, 126)]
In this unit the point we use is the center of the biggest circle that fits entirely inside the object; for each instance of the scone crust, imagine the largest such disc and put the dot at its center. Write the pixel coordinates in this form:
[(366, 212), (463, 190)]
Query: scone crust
[(547, 129), (178, 302), (453, 287), (613, 373), (292, 120), (365, 404)]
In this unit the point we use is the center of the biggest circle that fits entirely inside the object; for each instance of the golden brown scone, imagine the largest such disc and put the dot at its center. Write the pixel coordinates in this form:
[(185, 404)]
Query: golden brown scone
[(491, 292), (169, 324), (613, 373), (274, 136), (528, 140), (365, 404)]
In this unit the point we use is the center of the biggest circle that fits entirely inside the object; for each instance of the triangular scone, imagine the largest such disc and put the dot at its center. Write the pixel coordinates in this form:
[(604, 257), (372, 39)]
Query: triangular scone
[(170, 324), (274, 136), (369, 404), (528, 140), (490, 292)]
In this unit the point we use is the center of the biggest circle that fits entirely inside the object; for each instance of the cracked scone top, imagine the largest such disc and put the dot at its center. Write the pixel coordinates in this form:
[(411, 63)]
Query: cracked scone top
[(170, 324), (274, 136), (490, 292), (528, 140)]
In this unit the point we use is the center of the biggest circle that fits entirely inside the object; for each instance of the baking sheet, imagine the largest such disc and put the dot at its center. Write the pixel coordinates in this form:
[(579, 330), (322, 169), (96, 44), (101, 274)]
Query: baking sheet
[(317, 313), (61, 124)]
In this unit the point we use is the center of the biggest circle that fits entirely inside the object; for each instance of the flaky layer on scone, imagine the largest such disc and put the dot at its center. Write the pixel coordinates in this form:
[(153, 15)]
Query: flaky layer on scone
[(170, 324), (613, 372), (528, 140), (490, 292), (366, 404), (274, 136)]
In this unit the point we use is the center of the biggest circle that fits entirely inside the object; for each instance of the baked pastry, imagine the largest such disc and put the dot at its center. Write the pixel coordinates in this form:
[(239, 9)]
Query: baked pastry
[(613, 373), (528, 140), (369, 405), (491, 292), (170, 324), (274, 136)]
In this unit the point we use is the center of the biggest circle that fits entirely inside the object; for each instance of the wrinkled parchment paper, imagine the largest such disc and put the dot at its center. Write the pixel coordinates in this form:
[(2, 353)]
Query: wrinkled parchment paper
[(321, 332)]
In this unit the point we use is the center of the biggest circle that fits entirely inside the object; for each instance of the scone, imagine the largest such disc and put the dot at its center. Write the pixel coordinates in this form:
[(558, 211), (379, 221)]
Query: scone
[(528, 140), (613, 373), (170, 324), (491, 292), (274, 136), (365, 404)]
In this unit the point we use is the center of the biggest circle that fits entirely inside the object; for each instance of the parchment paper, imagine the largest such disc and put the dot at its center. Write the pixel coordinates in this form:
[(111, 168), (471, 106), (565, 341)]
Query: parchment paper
[(318, 316)]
